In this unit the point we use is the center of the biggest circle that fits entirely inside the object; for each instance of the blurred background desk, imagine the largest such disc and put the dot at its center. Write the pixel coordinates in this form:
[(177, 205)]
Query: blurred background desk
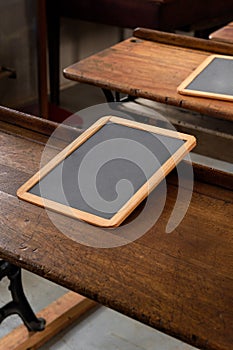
[(200, 17), (152, 65)]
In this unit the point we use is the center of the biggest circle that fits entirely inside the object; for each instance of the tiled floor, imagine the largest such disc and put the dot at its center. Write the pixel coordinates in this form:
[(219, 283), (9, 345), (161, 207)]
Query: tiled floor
[(104, 328)]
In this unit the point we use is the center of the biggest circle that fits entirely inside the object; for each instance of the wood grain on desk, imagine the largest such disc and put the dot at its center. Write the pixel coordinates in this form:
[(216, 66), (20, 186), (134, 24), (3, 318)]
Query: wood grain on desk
[(180, 283), (153, 68), (224, 34)]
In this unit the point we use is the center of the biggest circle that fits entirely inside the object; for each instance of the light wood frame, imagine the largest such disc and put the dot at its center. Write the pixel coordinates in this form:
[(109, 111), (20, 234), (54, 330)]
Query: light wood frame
[(182, 88), (139, 196)]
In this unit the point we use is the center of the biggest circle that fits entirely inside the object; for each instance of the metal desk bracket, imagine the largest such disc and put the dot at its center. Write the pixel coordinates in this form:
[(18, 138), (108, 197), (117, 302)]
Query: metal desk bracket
[(19, 305)]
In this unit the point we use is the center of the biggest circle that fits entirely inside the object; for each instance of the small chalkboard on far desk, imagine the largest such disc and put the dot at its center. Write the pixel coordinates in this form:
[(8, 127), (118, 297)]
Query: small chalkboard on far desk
[(107, 171), (213, 78)]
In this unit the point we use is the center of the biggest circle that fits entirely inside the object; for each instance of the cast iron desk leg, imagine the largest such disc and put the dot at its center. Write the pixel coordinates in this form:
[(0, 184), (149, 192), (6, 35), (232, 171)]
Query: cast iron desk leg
[(19, 305), (109, 96)]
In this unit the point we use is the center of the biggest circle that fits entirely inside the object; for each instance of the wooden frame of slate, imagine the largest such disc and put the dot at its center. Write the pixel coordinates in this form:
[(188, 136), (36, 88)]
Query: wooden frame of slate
[(213, 78), (149, 138)]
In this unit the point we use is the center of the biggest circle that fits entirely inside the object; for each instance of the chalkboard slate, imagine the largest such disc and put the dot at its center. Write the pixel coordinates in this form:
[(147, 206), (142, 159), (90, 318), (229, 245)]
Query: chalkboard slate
[(212, 79), (107, 171)]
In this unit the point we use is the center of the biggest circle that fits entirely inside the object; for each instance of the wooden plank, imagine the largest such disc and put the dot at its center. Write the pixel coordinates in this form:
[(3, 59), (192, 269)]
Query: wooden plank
[(9, 148), (58, 315), (183, 41), (213, 177), (178, 280), (39, 125), (26, 120), (224, 34)]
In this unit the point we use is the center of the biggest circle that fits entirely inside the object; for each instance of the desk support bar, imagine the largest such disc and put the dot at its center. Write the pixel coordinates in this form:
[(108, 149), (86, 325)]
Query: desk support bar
[(19, 305)]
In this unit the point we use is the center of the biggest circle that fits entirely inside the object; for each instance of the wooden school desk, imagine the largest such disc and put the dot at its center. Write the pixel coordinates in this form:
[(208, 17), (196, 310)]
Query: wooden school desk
[(179, 283), (152, 65)]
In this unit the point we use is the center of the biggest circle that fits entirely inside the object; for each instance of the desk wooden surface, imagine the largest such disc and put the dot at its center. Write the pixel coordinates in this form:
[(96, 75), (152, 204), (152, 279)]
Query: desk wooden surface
[(152, 65), (180, 283), (224, 34)]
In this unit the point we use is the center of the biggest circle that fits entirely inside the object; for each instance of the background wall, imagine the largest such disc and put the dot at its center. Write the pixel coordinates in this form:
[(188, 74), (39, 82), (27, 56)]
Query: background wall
[(18, 24), (17, 50)]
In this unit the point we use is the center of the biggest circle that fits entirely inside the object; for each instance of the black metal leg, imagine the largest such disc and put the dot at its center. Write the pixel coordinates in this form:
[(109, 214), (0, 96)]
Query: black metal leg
[(108, 95), (117, 98), (19, 305)]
